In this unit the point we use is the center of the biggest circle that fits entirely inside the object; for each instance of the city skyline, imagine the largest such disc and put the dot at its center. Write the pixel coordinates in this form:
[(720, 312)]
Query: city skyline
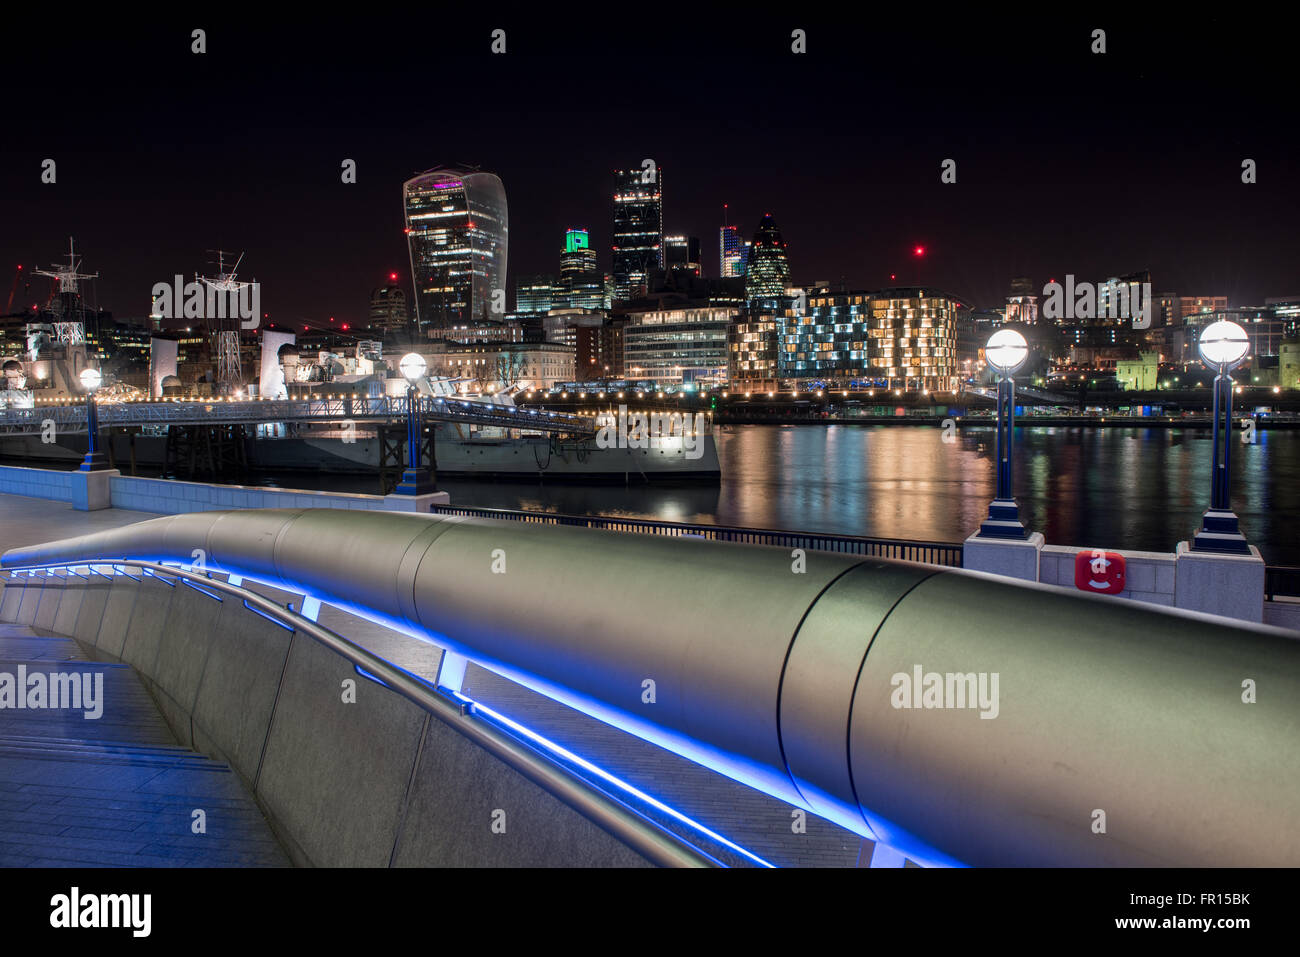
[(1089, 180), (845, 440)]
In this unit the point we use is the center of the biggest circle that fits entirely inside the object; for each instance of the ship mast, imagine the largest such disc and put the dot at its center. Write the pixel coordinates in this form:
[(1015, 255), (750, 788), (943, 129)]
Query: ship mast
[(69, 331), (226, 332)]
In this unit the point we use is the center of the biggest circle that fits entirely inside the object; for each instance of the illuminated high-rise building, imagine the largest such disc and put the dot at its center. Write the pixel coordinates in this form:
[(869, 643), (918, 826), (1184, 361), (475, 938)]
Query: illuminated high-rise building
[(731, 252), (578, 258), (767, 273), (682, 253), (581, 284), (388, 310), (538, 294), (586, 292), (457, 227), (638, 230)]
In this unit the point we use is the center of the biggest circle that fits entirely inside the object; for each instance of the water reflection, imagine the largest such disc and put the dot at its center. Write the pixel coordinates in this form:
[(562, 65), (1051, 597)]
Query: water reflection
[(1142, 489)]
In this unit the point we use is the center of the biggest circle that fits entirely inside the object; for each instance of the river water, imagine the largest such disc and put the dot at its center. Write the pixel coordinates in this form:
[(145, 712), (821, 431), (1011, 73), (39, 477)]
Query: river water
[(1132, 488), (1142, 489)]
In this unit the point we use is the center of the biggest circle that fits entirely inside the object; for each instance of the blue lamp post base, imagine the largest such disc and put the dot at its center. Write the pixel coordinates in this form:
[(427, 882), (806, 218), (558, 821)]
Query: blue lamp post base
[(94, 462), (1219, 533), (415, 482), (1003, 521)]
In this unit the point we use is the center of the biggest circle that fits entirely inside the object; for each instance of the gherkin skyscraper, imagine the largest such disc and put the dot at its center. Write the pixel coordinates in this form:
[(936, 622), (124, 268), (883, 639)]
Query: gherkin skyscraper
[(767, 274)]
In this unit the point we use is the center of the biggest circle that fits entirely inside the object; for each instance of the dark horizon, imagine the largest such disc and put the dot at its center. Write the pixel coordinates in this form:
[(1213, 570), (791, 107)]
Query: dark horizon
[(1067, 161)]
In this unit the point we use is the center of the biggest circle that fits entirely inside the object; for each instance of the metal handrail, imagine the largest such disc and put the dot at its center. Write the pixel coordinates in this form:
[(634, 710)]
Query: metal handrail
[(931, 553), (786, 677), (1281, 580), (655, 842)]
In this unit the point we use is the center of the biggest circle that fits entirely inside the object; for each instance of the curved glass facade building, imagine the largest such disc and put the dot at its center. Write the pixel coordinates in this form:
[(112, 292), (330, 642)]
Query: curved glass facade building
[(768, 271), (457, 228)]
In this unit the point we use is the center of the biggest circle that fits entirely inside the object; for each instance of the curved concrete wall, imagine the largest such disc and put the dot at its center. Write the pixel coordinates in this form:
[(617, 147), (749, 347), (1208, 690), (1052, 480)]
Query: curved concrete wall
[(1119, 734), (372, 783)]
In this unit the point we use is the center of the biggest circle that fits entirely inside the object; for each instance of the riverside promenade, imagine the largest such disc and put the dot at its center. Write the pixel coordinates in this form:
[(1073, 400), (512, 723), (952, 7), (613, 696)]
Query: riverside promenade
[(427, 744), (114, 790), (55, 766)]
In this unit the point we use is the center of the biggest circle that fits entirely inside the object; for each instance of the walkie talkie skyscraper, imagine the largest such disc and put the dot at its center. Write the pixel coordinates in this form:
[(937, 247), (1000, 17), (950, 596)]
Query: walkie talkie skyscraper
[(457, 228)]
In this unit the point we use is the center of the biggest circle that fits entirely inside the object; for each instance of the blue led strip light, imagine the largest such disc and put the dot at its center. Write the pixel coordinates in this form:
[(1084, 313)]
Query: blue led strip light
[(602, 774)]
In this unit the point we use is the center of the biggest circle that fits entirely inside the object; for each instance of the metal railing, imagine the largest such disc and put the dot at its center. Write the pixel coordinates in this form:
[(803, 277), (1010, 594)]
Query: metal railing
[(71, 418), (1281, 580), (780, 678), (655, 842), (931, 553)]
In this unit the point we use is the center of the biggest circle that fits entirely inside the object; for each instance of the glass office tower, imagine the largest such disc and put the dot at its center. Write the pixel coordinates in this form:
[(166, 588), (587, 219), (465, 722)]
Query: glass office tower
[(578, 258), (682, 253), (638, 231), (580, 275), (768, 271), (457, 227), (731, 252)]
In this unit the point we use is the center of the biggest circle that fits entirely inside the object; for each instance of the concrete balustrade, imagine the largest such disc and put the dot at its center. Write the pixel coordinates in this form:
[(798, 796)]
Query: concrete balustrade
[(1230, 586), (89, 491)]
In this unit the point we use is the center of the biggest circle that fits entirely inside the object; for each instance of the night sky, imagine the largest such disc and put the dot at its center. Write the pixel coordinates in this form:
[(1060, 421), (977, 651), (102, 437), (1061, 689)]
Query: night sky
[(1066, 161)]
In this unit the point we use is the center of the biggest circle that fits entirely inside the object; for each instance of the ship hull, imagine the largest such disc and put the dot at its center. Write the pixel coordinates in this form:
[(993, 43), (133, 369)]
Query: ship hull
[(526, 457)]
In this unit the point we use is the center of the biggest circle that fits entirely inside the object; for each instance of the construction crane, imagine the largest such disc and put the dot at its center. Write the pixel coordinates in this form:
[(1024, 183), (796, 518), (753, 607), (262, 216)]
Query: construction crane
[(18, 274)]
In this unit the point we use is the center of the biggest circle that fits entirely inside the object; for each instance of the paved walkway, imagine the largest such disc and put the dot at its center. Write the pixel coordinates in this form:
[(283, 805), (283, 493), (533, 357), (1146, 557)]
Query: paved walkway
[(112, 791)]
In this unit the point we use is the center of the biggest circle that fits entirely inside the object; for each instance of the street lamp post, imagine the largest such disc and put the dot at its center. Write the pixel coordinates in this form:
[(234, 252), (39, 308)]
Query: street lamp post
[(1006, 351), (95, 460), (1223, 345), (416, 480)]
